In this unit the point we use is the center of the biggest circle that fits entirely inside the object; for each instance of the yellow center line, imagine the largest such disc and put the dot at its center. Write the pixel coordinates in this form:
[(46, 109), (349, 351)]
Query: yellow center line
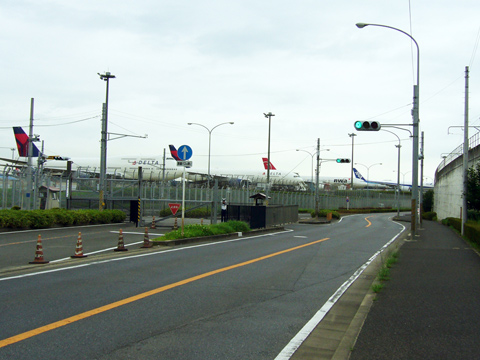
[(99, 310), (368, 221)]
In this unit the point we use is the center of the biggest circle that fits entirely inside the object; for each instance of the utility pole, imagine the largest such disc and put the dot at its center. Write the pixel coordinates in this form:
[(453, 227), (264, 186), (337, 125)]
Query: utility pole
[(465, 156), (103, 143), (317, 178), (421, 175), (269, 116), (28, 193)]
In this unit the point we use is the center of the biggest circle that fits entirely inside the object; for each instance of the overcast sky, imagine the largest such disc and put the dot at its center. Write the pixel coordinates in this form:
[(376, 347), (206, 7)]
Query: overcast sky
[(217, 61)]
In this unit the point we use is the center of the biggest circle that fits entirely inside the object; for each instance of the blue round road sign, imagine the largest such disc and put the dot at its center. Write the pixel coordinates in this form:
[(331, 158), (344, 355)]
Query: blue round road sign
[(185, 152)]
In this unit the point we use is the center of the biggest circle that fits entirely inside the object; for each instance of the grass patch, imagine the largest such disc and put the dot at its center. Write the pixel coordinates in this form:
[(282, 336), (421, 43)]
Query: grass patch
[(197, 230), (392, 259), (384, 273)]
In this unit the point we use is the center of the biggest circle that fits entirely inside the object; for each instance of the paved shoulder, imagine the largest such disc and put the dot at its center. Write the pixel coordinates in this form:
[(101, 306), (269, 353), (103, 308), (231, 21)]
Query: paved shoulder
[(429, 309)]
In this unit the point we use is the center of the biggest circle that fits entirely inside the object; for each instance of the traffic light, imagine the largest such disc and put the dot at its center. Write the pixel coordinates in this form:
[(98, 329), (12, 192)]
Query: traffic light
[(367, 125), (343, 161)]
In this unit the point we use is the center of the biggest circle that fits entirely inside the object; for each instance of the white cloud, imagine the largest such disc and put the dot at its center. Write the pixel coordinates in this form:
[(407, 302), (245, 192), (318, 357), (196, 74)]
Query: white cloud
[(216, 61)]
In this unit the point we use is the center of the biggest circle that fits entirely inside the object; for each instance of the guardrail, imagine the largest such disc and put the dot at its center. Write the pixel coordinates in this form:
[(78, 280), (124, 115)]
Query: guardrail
[(458, 151)]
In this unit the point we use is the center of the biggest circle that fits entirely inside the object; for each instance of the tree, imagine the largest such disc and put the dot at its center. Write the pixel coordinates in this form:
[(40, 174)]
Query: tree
[(428, 200), (473, 188)]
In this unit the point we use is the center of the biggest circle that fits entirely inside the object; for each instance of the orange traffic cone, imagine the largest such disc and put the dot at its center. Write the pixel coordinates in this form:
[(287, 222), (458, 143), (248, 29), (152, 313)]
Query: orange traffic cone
[(39, 253), (121, 245), (146, 240), (153, 223), (79, 248), (175, 226)]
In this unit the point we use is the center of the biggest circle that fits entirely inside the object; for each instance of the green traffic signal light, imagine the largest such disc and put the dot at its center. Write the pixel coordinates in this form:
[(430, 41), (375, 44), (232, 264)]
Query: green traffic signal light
[(343, 161), (367, 125)]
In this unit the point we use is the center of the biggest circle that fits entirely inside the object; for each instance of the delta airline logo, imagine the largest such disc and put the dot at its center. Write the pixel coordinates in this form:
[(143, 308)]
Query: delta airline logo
[(145, 162)]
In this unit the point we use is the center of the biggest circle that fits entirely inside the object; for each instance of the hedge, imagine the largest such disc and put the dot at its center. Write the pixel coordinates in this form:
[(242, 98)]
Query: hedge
[(324, 212), (472, 228), (40, 219)]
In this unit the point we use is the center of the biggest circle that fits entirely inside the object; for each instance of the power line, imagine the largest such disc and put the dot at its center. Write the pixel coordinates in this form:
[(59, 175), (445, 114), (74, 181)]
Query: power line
[(474, 48)]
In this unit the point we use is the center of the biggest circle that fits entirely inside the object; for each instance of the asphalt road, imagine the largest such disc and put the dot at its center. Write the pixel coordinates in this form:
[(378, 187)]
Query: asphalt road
[(237, 299), (17, 248)]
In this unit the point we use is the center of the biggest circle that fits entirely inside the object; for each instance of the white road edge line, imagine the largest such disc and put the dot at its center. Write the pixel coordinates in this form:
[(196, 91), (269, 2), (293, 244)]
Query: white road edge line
[(298, 339), (138, 256)]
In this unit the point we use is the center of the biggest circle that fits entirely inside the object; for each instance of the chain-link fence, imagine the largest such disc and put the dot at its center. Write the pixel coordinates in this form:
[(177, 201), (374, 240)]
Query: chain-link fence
[(82, 192)]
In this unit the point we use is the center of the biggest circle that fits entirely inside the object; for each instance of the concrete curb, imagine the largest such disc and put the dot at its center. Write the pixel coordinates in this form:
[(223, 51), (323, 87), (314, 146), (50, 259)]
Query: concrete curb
[(335, 336)]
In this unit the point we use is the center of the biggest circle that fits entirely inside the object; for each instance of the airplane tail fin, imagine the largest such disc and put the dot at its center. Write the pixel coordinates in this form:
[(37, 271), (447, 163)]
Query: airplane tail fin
[(265, 162), (358, 175), (173, 152), (22, 143)]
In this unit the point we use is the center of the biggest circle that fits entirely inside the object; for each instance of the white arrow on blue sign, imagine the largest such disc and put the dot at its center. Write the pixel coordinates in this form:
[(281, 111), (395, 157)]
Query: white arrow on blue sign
[(184, 152)]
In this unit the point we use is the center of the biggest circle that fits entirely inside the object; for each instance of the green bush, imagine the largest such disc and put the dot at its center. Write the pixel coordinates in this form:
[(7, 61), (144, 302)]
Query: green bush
[(82, 217), (11, 219), (239, 226), (118, 216), (221, 228), (473, 215), (472, 232), (39, 219), (62, 217), (197, 230), (430, 215), (103, 217), (324, 212), (453, 222)]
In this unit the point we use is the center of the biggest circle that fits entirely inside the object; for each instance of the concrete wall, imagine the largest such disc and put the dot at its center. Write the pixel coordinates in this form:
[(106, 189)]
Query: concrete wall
[(449, 184)]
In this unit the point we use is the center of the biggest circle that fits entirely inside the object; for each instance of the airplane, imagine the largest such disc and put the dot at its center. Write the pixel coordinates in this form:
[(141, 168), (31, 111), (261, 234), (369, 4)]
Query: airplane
[(277, 178), (358, 175), (154, 168)]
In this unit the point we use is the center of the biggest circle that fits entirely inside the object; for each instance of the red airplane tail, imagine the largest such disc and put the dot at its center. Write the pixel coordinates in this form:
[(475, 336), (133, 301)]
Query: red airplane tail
[(173, 152), (22, 143), (265, 162)]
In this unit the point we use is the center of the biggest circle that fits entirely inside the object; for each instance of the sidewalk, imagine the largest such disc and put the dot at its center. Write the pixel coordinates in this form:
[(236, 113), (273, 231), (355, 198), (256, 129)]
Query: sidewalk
[(430, 308)]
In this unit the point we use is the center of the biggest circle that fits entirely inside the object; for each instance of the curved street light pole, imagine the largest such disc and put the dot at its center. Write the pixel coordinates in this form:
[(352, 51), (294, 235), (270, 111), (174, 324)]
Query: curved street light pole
[(398, 169), (416, 120), (210, 143), (312, 155), (352, 135), (368, 171)]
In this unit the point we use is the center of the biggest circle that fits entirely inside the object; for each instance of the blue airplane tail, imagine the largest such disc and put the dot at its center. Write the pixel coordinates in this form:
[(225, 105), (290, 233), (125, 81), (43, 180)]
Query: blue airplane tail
[(358, 175)]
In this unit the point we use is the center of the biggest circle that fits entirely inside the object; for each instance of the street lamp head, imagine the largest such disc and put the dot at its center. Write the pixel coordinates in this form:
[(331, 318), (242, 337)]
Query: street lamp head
[(189, 123), (361, 25), (106, 76), (231, 122), (268, 115)]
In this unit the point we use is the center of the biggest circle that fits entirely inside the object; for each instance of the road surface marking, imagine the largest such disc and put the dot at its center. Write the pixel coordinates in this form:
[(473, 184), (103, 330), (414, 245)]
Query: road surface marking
[(99, 310)]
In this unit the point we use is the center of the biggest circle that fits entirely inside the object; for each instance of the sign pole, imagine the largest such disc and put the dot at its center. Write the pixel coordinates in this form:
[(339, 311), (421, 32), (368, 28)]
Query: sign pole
[(183, 201)]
